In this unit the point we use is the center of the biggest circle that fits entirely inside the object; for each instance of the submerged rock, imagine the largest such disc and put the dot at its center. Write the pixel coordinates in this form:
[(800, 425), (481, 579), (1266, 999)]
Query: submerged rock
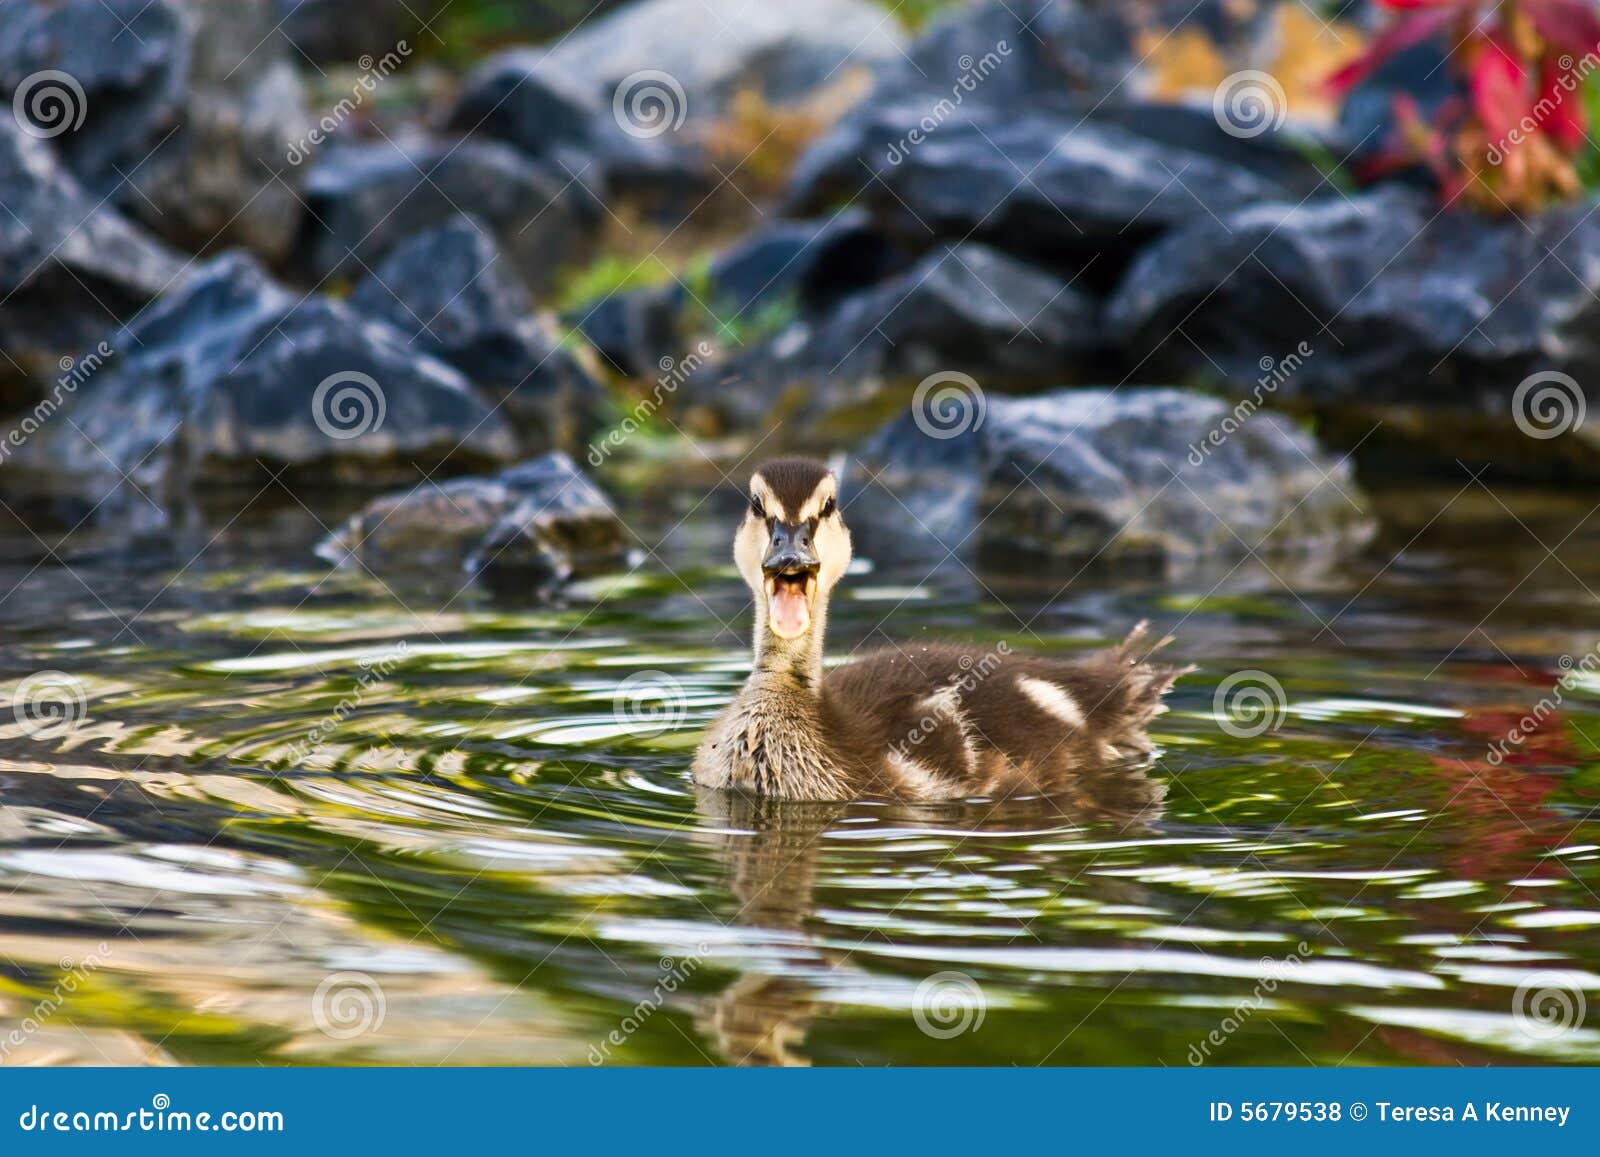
[(364, 199), (70, 265), (539, 523), (450, 293), (1158, 477), (968, 309), (230, 376)]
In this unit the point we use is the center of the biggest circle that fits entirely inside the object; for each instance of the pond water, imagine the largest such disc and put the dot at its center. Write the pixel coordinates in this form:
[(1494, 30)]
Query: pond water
[(301, 817)]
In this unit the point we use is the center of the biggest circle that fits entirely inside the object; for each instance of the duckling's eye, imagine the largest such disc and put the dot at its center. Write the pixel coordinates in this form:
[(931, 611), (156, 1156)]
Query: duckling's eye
[(756, 508), (828, 508)]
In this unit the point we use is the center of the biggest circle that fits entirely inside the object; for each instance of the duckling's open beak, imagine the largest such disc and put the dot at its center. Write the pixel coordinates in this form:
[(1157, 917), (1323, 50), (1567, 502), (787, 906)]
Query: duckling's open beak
[(790, 570)]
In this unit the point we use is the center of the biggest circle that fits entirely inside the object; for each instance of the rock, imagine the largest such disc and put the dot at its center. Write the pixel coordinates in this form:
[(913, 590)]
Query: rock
[(783, 268), (364, 199), (450, 294), (520, 98), (1109, 475), (709, 50), (968, 309), (70, 265), (104, 82), (222, 179), (1047, 181), (1030, 46), (230, 376), (186, 108), (541, 523), (1399, 302), (1408, 315)]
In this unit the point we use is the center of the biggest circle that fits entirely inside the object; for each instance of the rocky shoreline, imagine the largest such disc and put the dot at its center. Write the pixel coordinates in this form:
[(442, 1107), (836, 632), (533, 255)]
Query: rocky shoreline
[(1135, 311)]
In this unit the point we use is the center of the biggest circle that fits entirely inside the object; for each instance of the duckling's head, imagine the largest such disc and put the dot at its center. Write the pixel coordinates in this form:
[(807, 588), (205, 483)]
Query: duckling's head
[(792, 546)]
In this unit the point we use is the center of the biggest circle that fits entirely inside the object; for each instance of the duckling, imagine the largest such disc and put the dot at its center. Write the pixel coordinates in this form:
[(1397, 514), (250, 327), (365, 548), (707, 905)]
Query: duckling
[(927, 722)]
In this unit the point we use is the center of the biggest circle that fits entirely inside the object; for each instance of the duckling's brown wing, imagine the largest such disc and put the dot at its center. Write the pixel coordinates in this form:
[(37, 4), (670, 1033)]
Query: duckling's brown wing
[(995, 722)]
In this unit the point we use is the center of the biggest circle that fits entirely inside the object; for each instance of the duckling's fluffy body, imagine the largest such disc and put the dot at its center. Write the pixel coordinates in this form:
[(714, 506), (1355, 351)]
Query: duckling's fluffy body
[(920, 722)]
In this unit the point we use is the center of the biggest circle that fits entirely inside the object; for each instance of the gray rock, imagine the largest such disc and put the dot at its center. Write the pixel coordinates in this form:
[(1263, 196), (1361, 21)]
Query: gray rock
[(222, 178), (230, 376), (523, 99), (70, 266), (127, 76), (1397, 301), (967, 309), (1031, 46), (539, 523), (364, 199), (1048, 181), (451, 295), (520, 97), (712, 49), (1109, 475), (186, 108), (1426, 322)]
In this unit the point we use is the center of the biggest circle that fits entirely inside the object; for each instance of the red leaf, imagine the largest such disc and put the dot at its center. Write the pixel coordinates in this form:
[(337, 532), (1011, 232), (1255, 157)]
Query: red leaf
[(1498, 85)]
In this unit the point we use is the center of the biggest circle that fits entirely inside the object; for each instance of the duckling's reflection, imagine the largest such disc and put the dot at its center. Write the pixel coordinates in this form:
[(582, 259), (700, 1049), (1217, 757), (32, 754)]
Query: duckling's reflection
[(772, 850)]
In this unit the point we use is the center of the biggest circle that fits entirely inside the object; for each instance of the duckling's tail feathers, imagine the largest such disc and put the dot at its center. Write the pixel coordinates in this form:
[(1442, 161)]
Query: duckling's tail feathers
[(1137, 685)]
